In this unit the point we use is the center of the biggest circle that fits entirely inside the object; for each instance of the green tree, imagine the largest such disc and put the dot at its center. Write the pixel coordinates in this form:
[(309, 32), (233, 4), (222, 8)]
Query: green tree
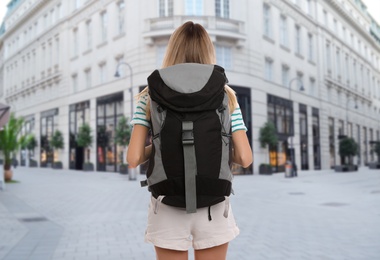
[(376, 150), (123, 134), (9, 141), (57, 141), (85, 138), (31, 142), (268, 136), (347, 149)]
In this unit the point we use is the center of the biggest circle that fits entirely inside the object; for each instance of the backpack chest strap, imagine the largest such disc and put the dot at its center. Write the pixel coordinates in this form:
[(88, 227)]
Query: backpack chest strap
[(190, 165)]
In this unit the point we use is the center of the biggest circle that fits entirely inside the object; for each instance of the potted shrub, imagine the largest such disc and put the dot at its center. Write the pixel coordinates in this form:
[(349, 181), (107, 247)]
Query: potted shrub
[(9, 143), (57, 143), (23, 150), (376, 150), (347, 149), (268, 139), (31, 144), (122, 137), (84, 139)]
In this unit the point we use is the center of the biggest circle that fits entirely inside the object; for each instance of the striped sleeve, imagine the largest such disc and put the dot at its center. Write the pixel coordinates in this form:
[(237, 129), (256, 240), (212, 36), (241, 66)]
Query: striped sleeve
[(237, 122), (139, 117)]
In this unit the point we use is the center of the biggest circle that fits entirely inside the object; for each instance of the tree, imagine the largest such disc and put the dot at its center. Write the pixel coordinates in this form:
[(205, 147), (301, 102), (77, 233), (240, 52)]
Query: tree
[(31, 142), (9, 142), (376, 150), (123, 134), (348, 148), (57, 142), (268, 136), (85, 139)]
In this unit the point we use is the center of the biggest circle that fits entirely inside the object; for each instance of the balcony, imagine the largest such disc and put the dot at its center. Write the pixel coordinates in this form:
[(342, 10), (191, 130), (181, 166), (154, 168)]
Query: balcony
[(218, 28)]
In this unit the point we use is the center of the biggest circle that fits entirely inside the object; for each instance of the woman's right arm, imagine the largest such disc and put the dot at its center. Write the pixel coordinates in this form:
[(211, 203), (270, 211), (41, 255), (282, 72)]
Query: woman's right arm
[(137, 151)]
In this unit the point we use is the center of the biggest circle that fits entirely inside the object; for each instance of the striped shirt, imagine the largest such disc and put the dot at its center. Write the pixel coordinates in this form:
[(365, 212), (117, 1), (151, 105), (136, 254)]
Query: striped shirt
[(139, 117)]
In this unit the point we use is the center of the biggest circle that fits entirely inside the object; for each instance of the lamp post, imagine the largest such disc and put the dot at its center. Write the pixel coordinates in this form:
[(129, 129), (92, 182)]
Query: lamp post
[(356, 107), (132, 171), (117, 75), (301, 88)]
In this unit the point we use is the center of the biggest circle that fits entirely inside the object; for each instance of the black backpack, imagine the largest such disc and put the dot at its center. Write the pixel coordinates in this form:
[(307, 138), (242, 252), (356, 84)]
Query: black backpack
[(191, 136)]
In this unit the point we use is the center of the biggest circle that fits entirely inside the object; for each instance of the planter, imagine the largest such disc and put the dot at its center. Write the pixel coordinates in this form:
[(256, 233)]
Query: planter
[(33, 163), (123, 169), (265, 169), (57, 165), (88, 167), (374, 165), (346, 168), (8, 174)]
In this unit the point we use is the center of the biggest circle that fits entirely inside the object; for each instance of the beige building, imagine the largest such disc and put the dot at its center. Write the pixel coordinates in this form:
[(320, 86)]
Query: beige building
[(302, 64)]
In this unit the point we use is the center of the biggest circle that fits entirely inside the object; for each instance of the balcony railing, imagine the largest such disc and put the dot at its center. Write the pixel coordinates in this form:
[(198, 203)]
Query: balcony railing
[(217, 27)]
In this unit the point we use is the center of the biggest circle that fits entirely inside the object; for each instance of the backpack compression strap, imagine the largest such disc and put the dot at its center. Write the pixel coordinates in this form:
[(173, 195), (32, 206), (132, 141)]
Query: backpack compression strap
[(190, 166)]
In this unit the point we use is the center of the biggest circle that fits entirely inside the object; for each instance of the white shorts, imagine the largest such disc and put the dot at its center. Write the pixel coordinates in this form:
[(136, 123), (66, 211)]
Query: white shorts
[(172, 228)]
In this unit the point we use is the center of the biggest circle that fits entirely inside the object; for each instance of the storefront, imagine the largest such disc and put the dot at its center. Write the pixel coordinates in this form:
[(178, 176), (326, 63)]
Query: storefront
[(109, 111), (49, 123)]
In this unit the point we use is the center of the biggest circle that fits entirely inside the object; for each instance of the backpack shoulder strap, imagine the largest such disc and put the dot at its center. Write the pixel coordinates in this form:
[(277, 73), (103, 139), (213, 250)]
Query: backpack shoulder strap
[(190, 166)]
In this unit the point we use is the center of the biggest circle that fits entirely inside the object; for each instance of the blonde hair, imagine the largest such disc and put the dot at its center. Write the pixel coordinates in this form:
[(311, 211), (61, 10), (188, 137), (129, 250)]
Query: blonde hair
[(190, 43)]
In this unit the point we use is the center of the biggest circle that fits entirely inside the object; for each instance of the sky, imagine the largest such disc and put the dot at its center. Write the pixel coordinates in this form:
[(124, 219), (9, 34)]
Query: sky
[(373, 6)]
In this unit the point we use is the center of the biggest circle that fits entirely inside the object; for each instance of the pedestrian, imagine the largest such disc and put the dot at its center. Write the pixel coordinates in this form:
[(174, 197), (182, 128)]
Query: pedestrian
[(173, 229)]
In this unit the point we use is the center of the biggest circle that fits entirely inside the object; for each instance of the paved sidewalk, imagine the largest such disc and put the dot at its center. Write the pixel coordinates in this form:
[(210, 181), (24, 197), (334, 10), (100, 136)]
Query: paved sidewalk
[(61, 214)]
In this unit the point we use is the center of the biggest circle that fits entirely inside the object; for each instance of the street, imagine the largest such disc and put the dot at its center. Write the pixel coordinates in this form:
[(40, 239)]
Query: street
[(62, 214)]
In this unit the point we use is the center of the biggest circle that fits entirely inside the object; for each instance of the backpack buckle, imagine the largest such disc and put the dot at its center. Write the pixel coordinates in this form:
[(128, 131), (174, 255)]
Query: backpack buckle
[(187, 133)]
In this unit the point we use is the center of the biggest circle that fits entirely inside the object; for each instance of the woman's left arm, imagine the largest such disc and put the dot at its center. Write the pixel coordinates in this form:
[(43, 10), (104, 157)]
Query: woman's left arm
[(242, 152), (137, 151)]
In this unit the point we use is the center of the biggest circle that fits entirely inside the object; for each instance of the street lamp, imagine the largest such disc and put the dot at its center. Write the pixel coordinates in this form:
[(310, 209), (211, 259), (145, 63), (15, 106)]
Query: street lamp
[(301, 88), (132, 171), (117, 75)]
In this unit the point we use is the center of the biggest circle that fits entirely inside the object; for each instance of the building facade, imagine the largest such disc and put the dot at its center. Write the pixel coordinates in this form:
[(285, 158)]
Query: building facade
[(310, 67)]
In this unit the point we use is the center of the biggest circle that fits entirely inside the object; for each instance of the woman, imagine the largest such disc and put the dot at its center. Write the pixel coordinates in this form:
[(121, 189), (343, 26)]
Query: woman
[(171, 230)]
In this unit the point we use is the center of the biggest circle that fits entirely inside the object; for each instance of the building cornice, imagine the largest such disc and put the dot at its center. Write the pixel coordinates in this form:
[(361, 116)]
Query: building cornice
[(364, 33), (331, 83), (23, 19)]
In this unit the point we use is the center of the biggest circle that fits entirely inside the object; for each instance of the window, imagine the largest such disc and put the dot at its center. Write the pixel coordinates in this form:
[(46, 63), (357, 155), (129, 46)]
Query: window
[(338, 70), (309, 7), (328, 57), (76, 4), (194, 7), (88, 34), (336, 27), (268, 69), (285, 75), (326, 18), (160, 53), (222, 8), (298, 39), (347, 69), (311, 47), (121, 11), (283, 31), (312, 88), (102, 73), (267, 21), (300, 80), (75, 43), (74, 82), (223, 56), (103, 20), (88, 78), (166, 8), (354, 74)]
